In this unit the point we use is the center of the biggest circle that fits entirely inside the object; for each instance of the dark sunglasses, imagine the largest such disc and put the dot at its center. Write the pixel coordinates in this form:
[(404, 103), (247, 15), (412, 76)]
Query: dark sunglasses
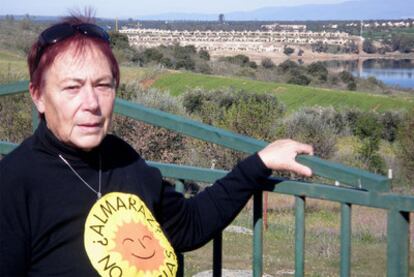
[(62, 31)]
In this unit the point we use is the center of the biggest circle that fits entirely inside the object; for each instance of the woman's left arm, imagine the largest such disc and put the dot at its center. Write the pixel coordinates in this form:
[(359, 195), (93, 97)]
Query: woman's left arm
[(190, 223)]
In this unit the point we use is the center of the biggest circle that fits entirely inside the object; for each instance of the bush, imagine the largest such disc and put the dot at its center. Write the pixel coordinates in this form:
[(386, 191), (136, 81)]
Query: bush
[(287, 66), (154, 143), (369, 129), (318, 70), (252, 64), (204, 55), (241, 60), (368, 47), (351, 86), (118, 40), (391, 122), (406, 145), (299, 79), (251, 114), (185, 62), (288, 50), (152, 54), (310, 126), (267, 63), (346, 77)]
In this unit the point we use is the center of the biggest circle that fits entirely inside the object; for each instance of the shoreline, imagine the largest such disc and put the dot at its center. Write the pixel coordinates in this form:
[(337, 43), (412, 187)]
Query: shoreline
[(308, 57)]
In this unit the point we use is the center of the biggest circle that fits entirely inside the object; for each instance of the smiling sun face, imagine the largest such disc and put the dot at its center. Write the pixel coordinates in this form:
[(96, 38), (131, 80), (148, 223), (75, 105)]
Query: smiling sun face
[(138, 246), (123, 238)]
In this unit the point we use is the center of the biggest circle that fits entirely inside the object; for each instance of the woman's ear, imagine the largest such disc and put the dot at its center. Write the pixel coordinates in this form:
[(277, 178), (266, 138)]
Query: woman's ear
[(37, 98)]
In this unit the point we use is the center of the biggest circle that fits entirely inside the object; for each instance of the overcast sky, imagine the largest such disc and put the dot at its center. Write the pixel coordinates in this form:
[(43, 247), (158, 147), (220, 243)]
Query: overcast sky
[(134, 8)]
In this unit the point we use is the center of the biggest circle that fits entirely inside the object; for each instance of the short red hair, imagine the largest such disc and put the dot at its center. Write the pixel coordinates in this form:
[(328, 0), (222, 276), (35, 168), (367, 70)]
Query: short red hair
[(38, 66)]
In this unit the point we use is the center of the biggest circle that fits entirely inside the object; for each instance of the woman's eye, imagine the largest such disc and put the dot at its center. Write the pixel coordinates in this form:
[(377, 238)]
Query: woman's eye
[(71, 88), (105, 85)]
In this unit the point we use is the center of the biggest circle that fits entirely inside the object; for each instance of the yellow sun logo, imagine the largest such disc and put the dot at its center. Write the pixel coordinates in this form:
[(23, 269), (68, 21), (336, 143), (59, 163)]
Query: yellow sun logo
[(122, 238)]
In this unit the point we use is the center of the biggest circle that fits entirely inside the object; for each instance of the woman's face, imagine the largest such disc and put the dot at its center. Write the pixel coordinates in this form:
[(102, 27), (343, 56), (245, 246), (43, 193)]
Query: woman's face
[(77, 97)]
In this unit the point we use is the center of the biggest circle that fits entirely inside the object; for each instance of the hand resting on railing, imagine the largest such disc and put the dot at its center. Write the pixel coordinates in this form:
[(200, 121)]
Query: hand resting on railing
[(281, 154)]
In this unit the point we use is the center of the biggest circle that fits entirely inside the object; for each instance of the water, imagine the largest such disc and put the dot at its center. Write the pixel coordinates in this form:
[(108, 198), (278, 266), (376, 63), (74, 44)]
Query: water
[(391, 72)]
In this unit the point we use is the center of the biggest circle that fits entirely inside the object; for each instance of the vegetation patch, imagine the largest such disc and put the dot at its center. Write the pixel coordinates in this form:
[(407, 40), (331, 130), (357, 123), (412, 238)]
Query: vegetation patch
[(293, 96)]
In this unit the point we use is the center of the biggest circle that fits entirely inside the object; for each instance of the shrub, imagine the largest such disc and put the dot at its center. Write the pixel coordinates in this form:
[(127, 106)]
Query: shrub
[(299, 79), (318, 70), (351, 86), (185, 62), (406, 145), (246, 113), (154, 143), (368, 47), (165, 61), (311, 125), (152, 54), (288, 50), (369, 129), (204, 55), (346, 77), (267, 63), (390, 121), (203, 68), (287, 66), (252, 64)]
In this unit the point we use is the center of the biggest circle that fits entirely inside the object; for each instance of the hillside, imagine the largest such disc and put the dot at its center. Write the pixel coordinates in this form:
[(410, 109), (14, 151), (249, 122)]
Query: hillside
[(293, 96)]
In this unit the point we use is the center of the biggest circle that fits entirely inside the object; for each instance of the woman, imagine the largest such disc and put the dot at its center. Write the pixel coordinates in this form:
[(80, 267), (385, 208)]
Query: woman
[(75, 201)]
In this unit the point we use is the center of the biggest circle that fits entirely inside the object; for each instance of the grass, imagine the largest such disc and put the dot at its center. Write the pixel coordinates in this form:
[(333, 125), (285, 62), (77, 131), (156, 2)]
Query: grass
[(293, 96)]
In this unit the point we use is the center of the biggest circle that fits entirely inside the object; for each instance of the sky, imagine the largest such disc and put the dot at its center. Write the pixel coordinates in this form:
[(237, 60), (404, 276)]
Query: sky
[(135, 8)]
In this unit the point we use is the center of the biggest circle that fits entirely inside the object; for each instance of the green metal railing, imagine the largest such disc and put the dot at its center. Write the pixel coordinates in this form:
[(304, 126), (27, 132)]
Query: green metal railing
[(362, 188)]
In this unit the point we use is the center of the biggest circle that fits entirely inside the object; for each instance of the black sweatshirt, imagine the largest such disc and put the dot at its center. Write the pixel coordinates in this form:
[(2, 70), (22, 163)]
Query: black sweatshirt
[(44, 208)]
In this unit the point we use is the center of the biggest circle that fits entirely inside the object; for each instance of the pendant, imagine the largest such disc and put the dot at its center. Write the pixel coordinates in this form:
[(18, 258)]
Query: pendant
[(99, 195)]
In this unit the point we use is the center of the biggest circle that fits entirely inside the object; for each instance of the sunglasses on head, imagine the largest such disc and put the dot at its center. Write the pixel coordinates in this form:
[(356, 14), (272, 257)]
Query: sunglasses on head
[(62, 31)]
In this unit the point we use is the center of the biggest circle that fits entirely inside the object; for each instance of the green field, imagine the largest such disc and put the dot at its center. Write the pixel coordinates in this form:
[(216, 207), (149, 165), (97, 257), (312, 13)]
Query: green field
[(292, 96)]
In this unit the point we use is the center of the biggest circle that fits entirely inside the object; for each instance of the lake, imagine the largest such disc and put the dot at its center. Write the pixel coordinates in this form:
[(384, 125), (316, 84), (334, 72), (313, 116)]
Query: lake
[(391, 72)]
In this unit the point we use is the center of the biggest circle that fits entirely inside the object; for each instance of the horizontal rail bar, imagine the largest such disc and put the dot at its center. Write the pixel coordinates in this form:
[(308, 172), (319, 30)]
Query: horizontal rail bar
[(347, 175), (14, 88), (188, 127), (6, 147), (346, 195)]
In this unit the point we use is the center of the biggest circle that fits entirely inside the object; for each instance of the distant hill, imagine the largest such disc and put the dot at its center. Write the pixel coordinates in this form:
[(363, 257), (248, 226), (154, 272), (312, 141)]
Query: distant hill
[(347, 10)]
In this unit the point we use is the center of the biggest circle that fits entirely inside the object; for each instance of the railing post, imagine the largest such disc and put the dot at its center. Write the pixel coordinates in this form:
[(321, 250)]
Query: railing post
[(346, 234), (299, 236), (258, 234), (217, 255), (398, 243)]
